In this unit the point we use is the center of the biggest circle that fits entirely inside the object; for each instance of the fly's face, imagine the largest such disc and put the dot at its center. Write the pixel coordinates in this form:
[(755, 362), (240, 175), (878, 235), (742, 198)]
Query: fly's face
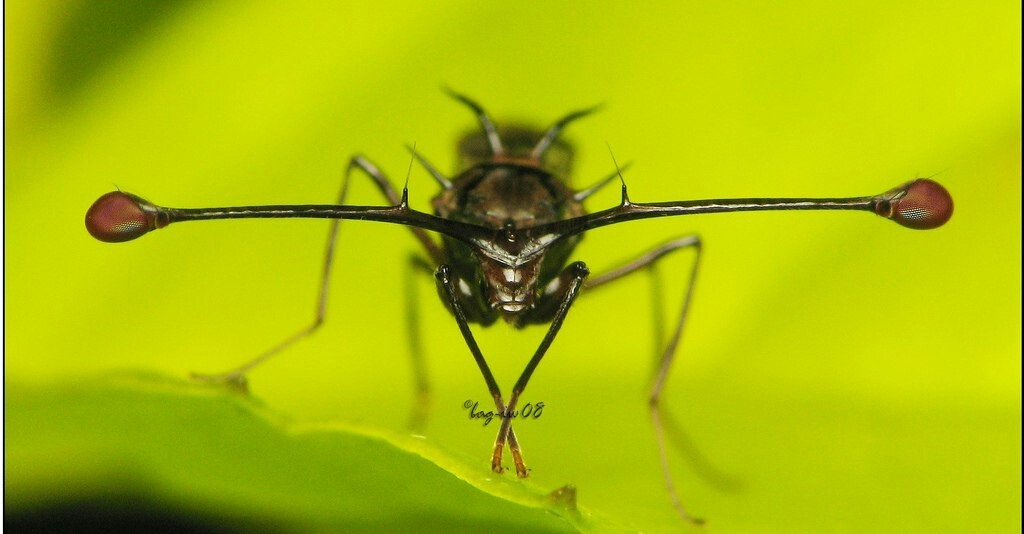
[(510, 198), (511, 290)]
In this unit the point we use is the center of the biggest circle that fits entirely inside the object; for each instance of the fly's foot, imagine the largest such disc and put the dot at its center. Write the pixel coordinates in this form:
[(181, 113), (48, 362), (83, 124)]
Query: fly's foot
[(497, 467), (419, 413), (496, 461), (521, 469), (234, 381)]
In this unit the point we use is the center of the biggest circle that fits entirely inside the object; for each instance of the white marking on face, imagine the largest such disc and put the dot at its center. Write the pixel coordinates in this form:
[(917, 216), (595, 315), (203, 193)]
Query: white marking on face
[(464, 287), (553, 286), (513, 307), (512, 275)]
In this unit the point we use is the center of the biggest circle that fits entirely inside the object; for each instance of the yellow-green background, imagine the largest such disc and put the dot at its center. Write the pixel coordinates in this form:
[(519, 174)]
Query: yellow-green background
[(851, 374)]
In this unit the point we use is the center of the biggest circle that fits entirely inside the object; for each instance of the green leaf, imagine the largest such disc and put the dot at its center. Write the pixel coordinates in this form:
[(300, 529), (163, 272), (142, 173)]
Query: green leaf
[(205, 451)]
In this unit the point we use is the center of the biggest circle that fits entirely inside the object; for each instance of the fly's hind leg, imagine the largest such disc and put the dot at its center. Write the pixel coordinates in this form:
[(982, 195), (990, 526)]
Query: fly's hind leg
[(667, 353), (236, 378), (422, 397)]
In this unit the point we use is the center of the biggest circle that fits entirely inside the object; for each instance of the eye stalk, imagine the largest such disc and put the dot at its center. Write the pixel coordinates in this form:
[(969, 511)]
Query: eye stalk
[(119, 216), (921, 205)]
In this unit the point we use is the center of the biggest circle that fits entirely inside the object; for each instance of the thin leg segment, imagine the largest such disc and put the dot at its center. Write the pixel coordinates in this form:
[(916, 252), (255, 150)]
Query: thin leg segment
[(668, 353), (421, 383), (446, 280), (571, 278), (236, 377), (485, 123)]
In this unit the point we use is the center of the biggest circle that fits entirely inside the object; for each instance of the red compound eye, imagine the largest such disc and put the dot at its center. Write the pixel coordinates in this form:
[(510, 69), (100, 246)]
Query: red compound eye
[(921, 205), (118, 216)]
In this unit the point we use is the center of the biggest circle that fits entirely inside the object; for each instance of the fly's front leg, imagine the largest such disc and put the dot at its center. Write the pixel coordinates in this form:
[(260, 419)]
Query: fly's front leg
[(668, 353), (563, 291), (236, 377), (447, 283)]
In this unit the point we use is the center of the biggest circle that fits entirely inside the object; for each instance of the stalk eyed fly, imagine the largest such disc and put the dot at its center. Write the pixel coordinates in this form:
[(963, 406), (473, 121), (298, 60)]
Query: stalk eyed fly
[(508, 225)]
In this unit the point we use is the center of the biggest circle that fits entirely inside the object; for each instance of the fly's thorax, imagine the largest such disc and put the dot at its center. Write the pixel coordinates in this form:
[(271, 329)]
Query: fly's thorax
[(505, 194)]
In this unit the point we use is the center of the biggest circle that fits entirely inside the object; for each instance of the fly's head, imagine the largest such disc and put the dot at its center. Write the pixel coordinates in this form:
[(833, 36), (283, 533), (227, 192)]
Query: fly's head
[(514, 265)]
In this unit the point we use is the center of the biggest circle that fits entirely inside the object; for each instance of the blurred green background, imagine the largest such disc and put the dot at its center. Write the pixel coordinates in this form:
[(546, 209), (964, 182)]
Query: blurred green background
[(850, 374)]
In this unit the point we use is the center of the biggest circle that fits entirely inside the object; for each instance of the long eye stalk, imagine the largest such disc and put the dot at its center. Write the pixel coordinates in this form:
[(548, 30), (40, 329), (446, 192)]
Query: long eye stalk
[(921, 204), (120, 216), (115, 217)]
